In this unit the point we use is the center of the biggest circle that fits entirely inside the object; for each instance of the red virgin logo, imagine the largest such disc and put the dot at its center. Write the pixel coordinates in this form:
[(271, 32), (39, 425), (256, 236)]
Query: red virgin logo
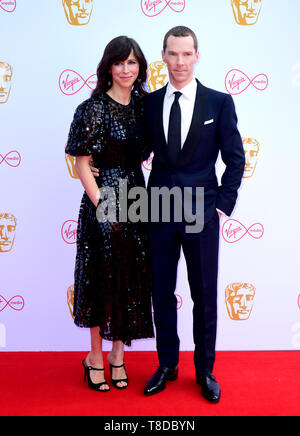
[(12, 158), (8, 6), (233, 231), (16, 303), (237, 82), (147, 164), (69, 232), (179, 301), (70, 82), (152, 8)]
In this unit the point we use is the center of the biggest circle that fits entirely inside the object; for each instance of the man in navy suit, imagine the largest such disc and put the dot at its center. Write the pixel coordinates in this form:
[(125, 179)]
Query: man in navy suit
[(188, 125)]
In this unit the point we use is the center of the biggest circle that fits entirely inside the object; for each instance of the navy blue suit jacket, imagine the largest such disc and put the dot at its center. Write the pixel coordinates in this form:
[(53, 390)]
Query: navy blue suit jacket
[(196, 164)]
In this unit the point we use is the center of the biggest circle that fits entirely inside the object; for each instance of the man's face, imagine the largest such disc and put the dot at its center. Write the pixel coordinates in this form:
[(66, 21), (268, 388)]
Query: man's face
[(78, 12), (181, 57), (246, 12), (7, 233), (251, 149), (239, 301), (5, 81)]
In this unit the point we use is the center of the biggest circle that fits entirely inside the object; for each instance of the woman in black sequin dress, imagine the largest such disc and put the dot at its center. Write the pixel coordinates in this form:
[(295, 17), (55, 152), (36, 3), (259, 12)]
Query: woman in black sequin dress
[(112, 288)]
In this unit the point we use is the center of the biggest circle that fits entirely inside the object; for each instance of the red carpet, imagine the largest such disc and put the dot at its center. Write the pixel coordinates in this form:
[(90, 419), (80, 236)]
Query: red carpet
[(51, 384)]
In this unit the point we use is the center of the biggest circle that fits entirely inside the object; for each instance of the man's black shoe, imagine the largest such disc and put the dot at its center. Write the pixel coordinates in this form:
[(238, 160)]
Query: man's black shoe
[(210, 388), (157, 382)]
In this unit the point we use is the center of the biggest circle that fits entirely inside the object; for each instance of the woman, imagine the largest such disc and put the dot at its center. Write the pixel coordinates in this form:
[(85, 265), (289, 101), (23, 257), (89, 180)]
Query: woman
[(112, 289)]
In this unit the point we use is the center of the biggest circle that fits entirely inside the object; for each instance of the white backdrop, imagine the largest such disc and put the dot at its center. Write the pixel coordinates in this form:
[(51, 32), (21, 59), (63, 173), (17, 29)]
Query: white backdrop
[(259, 255)]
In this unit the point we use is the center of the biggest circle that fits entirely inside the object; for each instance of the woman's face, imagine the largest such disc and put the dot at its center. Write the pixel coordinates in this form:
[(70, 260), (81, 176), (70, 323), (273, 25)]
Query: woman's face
[(125, 73)]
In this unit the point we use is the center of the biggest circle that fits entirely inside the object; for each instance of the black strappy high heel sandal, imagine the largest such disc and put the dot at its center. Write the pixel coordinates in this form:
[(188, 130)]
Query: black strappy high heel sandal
[(115, 381), (94, 386)]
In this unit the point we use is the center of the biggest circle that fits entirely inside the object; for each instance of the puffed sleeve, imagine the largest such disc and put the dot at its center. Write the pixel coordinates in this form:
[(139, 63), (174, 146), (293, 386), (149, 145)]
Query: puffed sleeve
[(84, 135)]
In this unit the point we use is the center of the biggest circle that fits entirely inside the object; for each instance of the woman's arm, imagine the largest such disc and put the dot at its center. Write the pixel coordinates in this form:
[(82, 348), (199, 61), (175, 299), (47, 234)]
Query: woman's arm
[(87, 179)]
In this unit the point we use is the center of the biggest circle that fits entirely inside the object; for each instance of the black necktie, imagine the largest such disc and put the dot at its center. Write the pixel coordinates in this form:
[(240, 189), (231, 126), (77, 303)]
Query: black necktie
[(174, 133)]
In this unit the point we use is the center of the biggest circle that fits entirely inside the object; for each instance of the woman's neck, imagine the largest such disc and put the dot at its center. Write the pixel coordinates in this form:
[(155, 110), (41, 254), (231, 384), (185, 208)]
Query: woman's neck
[(121, 95)]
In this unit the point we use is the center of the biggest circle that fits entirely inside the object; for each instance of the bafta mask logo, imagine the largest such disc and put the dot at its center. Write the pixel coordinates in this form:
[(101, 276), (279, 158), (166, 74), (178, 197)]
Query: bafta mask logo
[(239, 299), (251, 149), (70, 160), (246, 12), (70, 299), (5, 81), (8, 223), (78, 12), (157, 75)]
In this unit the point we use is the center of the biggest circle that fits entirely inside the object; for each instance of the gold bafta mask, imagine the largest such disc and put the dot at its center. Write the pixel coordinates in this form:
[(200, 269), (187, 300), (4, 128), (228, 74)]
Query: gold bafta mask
[(8, 225), (78, 12), (71, 160), (239, 299), (5, 81), (246, 12), (70, 299), (157, 75), (251, 149)]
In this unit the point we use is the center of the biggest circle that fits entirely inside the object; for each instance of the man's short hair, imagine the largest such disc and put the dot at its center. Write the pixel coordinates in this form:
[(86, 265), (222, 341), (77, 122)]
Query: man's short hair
[(180, 31)]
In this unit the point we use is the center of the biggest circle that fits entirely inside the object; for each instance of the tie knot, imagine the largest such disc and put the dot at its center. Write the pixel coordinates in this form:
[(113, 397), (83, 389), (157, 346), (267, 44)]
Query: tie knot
[(177, 96)]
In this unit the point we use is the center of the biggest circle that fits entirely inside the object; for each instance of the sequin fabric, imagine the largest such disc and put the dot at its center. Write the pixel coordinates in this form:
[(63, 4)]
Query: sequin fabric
[(112, 285)]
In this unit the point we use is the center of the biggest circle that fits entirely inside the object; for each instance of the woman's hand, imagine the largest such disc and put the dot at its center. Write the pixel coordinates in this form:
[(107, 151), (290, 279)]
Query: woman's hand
[(87, 178)]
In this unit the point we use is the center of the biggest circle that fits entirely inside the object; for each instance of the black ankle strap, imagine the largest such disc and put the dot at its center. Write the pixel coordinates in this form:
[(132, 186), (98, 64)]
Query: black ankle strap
[(90, 368), (117, 366)]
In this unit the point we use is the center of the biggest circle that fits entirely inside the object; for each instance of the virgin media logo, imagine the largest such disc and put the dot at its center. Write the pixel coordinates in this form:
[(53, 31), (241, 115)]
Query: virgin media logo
[(70, 82), (13, 159), (237, 82), (147, 164), (69, 231), (233, 231), (8, 6), (152, 8), (15, 303), (179, 301)]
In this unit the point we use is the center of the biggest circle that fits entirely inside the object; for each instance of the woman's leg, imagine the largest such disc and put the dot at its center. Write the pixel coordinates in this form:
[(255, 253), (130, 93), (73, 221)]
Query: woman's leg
[(116, 357), (95, 358)]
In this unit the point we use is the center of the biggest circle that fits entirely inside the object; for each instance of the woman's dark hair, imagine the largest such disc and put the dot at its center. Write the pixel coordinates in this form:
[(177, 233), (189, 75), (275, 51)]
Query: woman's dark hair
[(118, 50)]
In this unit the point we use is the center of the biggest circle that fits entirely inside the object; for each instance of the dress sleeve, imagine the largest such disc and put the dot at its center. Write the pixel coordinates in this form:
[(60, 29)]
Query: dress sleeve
[(84, 135)]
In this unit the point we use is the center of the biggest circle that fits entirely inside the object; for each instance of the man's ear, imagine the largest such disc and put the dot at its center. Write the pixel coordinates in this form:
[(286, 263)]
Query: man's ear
[(163, 55)]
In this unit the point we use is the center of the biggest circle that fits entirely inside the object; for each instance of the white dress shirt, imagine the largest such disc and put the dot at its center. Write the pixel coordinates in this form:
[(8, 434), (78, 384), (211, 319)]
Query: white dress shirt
[(187, 104)]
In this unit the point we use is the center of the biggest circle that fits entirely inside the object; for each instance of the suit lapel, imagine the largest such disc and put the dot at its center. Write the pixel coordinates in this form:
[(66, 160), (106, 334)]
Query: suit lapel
[(196, 126)]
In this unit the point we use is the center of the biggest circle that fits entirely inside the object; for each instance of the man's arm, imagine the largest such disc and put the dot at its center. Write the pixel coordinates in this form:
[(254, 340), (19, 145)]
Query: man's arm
[(232, 153)]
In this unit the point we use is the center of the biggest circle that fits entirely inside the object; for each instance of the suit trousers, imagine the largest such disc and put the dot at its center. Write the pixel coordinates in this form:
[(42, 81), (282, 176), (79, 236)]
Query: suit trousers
[(201, 254)]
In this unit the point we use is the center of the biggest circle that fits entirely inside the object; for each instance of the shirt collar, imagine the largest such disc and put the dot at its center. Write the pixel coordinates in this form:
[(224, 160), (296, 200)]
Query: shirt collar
[(189, 91)]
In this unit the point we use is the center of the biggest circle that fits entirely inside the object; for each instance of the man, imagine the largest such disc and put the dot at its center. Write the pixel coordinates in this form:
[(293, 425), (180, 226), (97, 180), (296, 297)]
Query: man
[(188, 125)]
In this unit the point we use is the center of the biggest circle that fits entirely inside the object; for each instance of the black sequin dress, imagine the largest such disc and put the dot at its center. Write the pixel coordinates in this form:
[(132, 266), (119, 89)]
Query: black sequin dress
[(112, 287)]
